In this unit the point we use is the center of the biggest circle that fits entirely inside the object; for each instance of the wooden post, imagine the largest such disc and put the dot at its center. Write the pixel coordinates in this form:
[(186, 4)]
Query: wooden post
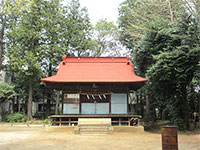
[(120, 123), (110, 104), (57, 102), (69, 121), (169, 138), (129, 122), (60, 119), (128, 102)]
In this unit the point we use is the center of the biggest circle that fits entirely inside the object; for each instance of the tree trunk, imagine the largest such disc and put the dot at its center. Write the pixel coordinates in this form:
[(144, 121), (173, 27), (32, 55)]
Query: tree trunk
[(147, 105), (12, 107), (30, 98), (171, 11), (160, 116), (49, 94), (163, 117), (199, 105), (141, 109), (48, 106), (197, 6), (57, 102), (43, 106), (2, 40), (17, 107), (0, 109), (137, 104), (186, 110)]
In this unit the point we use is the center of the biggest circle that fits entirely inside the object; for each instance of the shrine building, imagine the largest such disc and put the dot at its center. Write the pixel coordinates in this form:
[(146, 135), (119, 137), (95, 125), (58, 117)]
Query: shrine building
[(95, 87)]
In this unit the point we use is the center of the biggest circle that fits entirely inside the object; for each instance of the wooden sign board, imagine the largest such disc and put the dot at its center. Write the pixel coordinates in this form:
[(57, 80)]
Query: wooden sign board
[(71, 98)]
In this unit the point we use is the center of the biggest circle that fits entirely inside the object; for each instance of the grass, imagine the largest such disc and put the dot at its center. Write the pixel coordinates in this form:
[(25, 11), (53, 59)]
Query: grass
[(33, 121), (156, 127)]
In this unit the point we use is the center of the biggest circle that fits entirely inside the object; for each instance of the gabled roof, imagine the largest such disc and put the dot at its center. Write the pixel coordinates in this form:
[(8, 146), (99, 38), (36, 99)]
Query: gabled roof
[(95, 69)]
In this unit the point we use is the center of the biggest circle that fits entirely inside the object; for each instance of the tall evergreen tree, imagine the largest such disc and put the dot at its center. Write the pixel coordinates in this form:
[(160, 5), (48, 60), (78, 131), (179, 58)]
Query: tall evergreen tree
[(170, 57), (25, 47), (53, 47), (77, 29), (10, 10)]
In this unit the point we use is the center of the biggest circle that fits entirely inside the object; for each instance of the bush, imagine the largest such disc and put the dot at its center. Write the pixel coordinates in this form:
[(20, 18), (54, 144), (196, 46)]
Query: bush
[(180, 124), (16, 117), (47, 121)]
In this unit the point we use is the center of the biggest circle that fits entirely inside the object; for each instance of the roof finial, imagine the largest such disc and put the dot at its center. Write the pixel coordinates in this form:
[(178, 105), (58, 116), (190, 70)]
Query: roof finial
[(128, 58), (64, 57)]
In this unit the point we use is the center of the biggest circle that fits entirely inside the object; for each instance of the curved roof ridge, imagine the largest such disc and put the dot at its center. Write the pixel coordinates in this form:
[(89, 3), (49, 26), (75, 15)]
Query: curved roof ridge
[(95, 59)]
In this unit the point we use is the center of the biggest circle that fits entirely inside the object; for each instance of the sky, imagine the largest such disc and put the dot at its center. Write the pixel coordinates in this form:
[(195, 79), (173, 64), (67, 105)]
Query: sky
[(100, 9)]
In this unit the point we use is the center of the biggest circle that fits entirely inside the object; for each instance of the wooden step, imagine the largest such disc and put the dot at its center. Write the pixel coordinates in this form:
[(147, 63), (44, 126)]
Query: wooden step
[(94, 129), (94, 121), (94, 126)]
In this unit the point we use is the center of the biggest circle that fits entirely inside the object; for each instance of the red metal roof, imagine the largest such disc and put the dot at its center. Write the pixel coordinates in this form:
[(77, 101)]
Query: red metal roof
[(95, 69)]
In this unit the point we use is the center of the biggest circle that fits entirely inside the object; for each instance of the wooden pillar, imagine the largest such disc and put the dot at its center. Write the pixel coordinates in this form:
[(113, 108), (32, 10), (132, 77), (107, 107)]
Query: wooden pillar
[(62, 102), (80, 104), (57, 102), (110, 104), (127, 102)]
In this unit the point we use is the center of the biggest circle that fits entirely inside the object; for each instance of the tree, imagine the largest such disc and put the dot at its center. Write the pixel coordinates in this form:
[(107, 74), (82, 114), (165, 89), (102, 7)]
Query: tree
[(77, 30), (53, 38), (159, 33), (169, 57), (9, 10), (135, 16), (106, 37), (24, 48), (6, 93)]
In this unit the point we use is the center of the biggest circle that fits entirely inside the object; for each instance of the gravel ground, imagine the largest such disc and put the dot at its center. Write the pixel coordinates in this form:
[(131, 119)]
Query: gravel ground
[(62, 138)]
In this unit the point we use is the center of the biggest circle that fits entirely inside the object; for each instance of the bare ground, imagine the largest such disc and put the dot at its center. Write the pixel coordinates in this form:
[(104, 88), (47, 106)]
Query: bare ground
[(62, 138)]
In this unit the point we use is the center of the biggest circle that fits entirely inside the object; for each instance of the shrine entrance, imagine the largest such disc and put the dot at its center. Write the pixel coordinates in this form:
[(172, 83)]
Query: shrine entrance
[(95, 103), (95, 108)]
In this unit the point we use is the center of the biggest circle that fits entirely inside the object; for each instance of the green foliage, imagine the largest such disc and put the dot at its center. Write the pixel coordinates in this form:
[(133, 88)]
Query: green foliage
[(10, 11), (164, 38), (47, 121), (16, 117), (136, 15), (6, 92), (77, 29), (169, 55), (52, 35), (106, 36), (180, 124), (38, 39), (24, 49)]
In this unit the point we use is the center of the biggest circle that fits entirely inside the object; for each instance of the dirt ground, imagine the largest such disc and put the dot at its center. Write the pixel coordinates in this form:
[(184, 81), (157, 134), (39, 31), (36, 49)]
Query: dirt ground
[(63, 138)]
